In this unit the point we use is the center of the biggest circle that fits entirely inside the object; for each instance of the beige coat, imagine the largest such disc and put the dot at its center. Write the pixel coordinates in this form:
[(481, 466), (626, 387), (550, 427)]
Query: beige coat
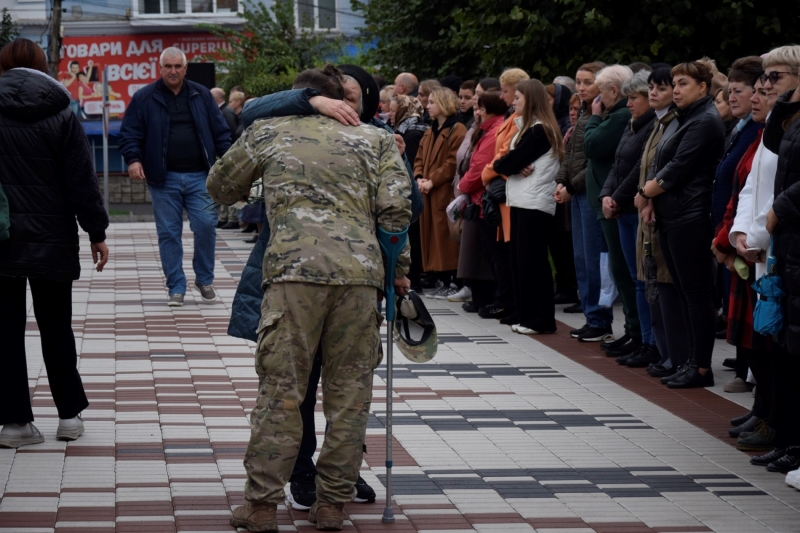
[(436, 161), (644, 230)]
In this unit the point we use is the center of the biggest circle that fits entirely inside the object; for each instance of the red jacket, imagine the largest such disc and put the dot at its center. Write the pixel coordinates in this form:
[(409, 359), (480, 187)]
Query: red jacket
[(482, 155)]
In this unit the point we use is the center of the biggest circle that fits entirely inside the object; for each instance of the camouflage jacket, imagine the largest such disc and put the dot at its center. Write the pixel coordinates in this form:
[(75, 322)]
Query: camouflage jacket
[(327, 187)]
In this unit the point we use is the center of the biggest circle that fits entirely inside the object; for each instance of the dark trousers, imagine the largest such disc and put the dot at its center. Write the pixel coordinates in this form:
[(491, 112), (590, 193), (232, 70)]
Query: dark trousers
[(761, 363), (482, 292), (622, 278), (308, 444), (688, 256), (785, 412), (501, 264), (52, 305), (668, 326), (560, 243), (415, 243), (530, 269)]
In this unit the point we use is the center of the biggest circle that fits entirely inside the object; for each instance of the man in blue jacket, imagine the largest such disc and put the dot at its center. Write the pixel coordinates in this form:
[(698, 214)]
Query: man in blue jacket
[(171, 135)]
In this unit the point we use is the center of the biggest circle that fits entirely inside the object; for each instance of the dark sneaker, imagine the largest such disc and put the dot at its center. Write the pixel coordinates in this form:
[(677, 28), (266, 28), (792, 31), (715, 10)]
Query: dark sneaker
[(692, 379), (659, 371), (739, 420), (469, 307), (787, 463), (303, 492), (596, 335), (623, 359), (625, 339), (575, 333), (634, 345), (175, 300), (675, 375), (439, 290), (207, 292), (647, 356), (494, 311), (748, 426), (574, 308), (763, 438), (230, 225), (364, 493)]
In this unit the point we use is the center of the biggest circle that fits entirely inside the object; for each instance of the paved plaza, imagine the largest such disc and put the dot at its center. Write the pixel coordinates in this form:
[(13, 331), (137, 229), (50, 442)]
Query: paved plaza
[(500, 433)]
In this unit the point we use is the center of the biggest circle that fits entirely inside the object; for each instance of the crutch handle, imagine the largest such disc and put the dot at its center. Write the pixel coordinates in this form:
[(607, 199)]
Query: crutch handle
[(392, 245)]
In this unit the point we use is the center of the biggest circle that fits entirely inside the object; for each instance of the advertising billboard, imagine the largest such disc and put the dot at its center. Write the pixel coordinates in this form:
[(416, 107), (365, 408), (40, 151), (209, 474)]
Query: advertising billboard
[(132, 62)]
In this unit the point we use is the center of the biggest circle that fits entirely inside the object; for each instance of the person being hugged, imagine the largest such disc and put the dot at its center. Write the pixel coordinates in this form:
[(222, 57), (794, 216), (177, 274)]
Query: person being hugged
[(537, 144)]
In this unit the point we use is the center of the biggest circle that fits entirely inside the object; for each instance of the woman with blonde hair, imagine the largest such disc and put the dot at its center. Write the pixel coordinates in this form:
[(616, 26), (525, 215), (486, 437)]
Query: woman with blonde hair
[(537, 143), (434, 169)]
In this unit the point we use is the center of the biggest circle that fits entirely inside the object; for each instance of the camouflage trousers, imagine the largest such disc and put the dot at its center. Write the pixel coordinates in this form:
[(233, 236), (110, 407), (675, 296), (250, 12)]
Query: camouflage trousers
[(229, 213), (296, 318)]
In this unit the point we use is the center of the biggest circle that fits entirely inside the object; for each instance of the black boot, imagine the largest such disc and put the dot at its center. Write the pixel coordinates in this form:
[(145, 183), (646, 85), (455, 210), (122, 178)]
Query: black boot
[(675, 375), (647, 356), (767, 458), (692, 379)]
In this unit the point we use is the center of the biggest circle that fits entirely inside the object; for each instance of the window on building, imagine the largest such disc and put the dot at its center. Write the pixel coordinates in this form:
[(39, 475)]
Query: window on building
[(168, 7), (316, 14)]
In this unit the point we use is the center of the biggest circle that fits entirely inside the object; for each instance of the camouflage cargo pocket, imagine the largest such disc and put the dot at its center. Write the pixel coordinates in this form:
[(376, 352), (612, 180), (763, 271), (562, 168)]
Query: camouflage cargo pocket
[(377, 353), (268, 324)]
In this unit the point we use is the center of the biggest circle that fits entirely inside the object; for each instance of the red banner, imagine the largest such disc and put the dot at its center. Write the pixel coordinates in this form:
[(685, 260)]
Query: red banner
[(132, 62)]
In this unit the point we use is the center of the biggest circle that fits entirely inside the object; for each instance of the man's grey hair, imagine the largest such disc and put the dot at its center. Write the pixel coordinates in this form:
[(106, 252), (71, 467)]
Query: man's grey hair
[(566, 81), (636, 84), (344, 79), (172, 51)]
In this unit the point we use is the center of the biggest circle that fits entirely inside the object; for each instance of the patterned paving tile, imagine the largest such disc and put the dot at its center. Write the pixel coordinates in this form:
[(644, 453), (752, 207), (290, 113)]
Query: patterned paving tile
[(500, 433)]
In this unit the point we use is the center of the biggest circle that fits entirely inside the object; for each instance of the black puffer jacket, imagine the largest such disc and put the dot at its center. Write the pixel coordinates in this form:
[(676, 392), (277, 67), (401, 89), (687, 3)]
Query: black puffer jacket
[(786, 236), (47, 171), (623, 180), (686, 163)]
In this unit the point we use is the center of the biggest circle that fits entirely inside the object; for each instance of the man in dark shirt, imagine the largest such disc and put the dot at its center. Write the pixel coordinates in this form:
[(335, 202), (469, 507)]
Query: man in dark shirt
[(171, 134)]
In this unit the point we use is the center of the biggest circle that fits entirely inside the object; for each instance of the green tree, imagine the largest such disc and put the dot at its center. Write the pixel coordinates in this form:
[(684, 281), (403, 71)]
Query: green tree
[(268, 53), (8, 29), (476, 38)]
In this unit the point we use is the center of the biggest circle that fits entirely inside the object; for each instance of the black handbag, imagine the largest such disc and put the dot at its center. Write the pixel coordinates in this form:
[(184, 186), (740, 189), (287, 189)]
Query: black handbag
[(491, 211), (650, 269), (471, 213), (497, 190)]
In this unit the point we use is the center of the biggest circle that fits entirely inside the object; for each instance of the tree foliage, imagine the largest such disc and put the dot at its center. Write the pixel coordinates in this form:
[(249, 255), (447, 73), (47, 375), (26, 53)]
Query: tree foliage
[(8, 29), (550, 37), (269, 52)]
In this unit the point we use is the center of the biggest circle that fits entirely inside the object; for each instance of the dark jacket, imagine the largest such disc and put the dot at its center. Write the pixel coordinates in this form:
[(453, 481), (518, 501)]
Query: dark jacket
[(296, 102), (572, 173), (246, 308), (600, 143), (561, 107), (411, 130), (686, 162), (786, 205), (144, 134), (726, 170), (623, 179), (231, 119), (47, 172)]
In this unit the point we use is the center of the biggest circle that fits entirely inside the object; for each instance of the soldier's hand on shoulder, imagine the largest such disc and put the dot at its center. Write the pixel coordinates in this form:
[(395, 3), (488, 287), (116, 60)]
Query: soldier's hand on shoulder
[(335, 109)]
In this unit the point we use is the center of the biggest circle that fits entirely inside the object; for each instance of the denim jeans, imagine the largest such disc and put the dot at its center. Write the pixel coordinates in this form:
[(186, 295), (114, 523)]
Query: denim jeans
[(628, 228), (184, 191), (588, 242)]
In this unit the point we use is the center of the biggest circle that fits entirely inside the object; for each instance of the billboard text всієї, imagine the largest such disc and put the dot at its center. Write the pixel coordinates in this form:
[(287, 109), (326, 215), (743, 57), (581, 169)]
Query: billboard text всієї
[(132, 62)]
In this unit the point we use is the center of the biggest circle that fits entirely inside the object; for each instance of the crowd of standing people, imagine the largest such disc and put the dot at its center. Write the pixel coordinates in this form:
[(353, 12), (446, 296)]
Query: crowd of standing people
[(672, 189)]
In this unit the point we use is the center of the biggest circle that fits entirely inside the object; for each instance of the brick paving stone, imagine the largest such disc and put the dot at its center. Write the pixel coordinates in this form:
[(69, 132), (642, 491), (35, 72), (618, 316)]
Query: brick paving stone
[(500, 433)]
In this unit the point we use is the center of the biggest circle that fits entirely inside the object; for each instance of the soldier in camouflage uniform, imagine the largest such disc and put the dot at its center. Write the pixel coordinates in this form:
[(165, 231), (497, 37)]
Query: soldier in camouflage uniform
[(327, 188)]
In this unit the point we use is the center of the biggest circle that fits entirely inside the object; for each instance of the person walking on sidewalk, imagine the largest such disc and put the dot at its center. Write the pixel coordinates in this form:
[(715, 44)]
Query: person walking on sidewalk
[(47, 173), (228, 215), (323, 271), (171, 135)]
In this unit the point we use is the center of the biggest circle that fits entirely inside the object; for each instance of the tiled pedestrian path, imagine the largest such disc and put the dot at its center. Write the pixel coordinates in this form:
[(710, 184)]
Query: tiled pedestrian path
[(500, 433)]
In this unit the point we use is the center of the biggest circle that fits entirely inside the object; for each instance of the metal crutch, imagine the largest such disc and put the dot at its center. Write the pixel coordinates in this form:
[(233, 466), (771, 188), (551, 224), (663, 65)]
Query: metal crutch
[(392, 245)]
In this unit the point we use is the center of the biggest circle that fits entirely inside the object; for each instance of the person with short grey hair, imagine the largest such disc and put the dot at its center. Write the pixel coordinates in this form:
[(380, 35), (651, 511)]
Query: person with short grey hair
[(567, 82), (175, 161), (617, 200)]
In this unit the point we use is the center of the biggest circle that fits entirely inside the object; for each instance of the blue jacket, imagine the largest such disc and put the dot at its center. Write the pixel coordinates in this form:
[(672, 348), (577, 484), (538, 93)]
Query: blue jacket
[(144, 134), (246, 309), (296, 102)]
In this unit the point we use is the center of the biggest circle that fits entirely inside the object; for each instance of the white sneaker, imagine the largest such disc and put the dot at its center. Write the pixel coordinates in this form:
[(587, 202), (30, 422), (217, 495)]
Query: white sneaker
[(464, 295), (438, 289), (793, 479), (14, 436), (446, 294), (70, 429)]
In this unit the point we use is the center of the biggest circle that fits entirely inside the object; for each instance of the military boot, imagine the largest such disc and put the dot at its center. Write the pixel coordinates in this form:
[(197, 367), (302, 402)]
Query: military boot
[(327, 516), (260, 517)]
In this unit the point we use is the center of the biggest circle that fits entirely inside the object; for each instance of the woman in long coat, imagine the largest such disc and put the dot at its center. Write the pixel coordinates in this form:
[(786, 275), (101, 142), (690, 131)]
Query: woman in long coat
[(434, 169)]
